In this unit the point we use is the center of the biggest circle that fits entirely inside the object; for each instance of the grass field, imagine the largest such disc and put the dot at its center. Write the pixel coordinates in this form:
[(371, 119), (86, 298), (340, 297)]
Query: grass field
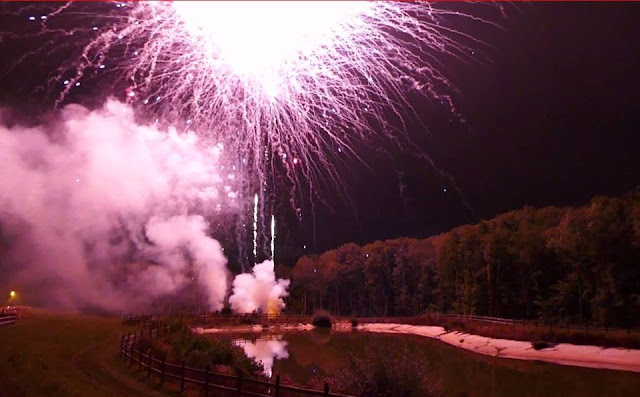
[(66, 354)]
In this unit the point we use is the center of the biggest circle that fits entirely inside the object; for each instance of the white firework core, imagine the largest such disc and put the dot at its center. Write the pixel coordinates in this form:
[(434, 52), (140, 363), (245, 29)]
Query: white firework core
[(264, 43)]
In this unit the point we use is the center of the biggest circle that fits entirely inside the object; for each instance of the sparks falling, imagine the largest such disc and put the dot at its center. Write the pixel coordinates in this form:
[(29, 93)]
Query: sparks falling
[(298, 83)]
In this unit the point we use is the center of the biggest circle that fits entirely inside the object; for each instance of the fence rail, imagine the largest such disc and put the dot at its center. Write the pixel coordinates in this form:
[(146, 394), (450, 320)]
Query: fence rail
[(208, 380), (497, 320), (240, 319), (7, 319)]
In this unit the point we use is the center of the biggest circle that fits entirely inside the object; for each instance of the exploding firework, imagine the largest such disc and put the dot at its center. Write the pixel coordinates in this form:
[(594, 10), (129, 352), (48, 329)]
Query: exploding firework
[(289, 89), (289, 84)]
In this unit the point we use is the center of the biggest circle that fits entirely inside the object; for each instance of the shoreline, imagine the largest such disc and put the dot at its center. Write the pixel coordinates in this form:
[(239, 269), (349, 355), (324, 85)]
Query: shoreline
[(588, 356), (563, 353)]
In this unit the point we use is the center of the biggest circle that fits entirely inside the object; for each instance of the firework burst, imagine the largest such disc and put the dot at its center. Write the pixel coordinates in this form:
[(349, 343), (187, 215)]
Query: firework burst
[(292, 88), (294, 82)]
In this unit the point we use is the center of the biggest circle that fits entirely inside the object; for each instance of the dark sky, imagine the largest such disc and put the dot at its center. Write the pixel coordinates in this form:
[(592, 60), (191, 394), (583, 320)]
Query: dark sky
[(551, 119)]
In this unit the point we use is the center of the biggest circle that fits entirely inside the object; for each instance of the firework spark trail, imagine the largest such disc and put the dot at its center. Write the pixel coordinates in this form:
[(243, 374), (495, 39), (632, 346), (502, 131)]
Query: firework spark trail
[(296, 82), (273, 238)]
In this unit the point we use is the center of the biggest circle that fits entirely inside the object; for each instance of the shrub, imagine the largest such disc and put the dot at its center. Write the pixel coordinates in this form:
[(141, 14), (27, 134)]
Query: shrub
[(250, 319), (322, 319), (385, 371), (354, 322), (198, 351), (540, 344)]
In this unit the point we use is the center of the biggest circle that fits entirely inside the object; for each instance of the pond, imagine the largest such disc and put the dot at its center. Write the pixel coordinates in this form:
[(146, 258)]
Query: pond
[(305, 357)]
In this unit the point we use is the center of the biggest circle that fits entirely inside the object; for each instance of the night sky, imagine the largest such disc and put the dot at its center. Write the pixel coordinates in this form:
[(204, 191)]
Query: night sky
[(550, 119)]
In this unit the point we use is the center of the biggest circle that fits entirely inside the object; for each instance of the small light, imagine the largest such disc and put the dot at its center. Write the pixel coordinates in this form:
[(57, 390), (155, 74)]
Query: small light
[(43, 17), (444, 190), (78, 84), (32, 18), (12, 294), (94, 28), (65, 82), (102, 66), (77, 180)]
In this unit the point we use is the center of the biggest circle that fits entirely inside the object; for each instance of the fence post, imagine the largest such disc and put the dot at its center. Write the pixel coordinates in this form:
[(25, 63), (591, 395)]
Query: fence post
[(162, 373), (150, 364), (131, 350), (239, 384), (122, 348), (277, 385), (182, 377), (206, 381), (140, 360), (326, 389)]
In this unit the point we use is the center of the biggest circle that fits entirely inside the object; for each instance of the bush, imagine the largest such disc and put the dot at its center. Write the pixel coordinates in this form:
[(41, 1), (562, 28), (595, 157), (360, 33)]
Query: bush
[(540, 344), (250, 319), (384, 371), (198, 351), (322, 319), (354, 322)]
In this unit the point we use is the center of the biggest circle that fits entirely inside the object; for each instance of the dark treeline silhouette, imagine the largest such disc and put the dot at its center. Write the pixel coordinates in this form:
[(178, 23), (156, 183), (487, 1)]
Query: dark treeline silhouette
[(577, 265)]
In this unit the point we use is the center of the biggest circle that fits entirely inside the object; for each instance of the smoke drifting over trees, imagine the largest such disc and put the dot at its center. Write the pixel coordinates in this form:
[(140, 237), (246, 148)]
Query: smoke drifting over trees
[(563, 264), (99, 211)]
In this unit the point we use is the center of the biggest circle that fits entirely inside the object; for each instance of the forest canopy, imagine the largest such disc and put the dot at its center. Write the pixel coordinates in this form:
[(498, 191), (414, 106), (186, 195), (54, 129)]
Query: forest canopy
[(577, 265)]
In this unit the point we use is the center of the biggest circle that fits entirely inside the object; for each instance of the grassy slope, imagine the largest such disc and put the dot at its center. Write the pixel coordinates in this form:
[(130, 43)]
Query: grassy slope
[(62, 354)]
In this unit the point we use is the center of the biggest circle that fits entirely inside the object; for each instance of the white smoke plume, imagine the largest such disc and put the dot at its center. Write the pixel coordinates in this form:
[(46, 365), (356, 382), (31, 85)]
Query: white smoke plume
[(99, 211), (265, 352), (259, 290)]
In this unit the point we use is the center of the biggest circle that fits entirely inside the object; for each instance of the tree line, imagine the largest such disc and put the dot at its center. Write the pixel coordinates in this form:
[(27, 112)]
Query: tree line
[(577, 265)]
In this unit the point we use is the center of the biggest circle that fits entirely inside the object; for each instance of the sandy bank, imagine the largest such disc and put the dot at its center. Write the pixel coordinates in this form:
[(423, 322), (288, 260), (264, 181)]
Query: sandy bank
[(563, 353)]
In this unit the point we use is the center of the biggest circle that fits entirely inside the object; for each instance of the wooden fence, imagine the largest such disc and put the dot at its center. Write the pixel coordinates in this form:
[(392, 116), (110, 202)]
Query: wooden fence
[(205, 379), (7, 318), (433, 318), (426, 319)]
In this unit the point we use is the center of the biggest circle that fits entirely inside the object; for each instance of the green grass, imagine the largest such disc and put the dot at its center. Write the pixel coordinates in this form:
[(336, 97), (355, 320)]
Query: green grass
[(64, 354)]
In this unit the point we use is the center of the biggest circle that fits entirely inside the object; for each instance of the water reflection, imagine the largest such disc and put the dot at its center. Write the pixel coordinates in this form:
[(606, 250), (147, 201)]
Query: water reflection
[(265, 350), (305, 358)]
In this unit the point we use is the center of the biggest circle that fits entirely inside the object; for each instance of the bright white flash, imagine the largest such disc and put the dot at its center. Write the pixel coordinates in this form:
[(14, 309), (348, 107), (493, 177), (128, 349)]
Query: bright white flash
[(264, 43)]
